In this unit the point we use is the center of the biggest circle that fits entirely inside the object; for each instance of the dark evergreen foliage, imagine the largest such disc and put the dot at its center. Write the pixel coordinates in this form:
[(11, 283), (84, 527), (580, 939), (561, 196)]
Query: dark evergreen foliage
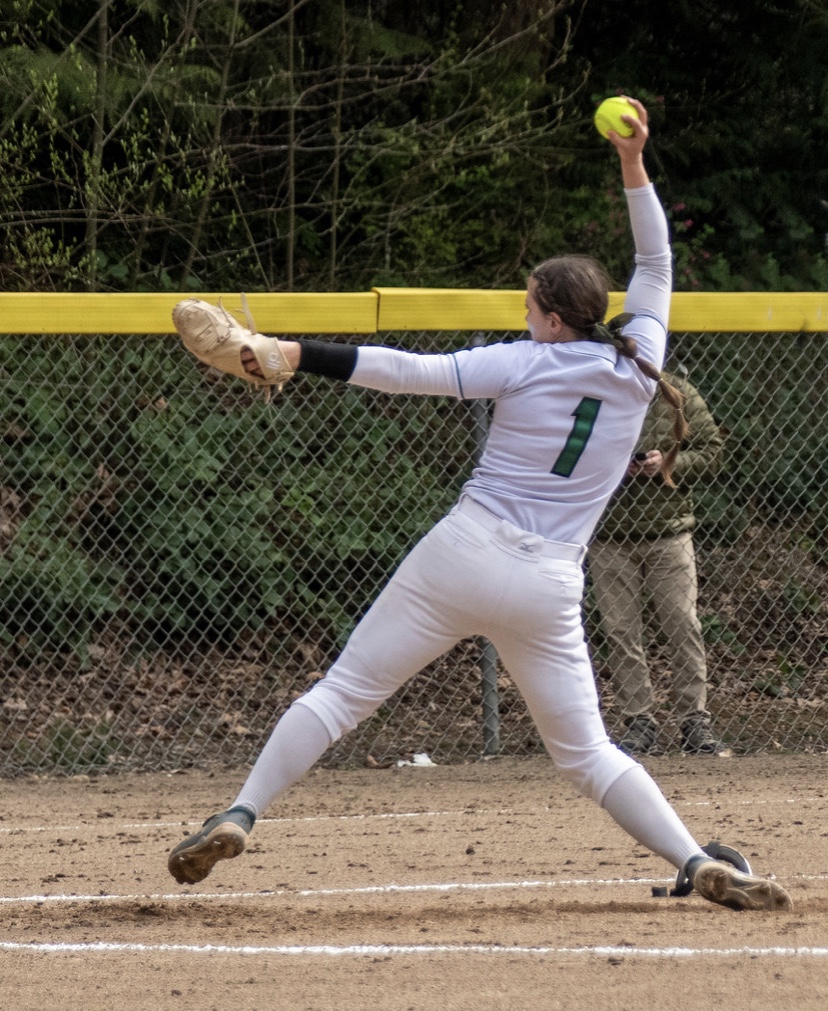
[(281, 145)]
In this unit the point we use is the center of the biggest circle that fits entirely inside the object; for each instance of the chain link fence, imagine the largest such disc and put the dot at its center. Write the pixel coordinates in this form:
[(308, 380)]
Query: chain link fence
[(179, 561)]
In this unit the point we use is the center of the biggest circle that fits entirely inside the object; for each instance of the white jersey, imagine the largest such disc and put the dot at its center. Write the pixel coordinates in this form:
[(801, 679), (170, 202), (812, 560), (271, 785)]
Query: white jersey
[(566, 415)]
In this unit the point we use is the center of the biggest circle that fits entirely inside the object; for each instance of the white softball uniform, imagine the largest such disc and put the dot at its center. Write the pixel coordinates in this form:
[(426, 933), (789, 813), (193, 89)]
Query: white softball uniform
[(506, 563)]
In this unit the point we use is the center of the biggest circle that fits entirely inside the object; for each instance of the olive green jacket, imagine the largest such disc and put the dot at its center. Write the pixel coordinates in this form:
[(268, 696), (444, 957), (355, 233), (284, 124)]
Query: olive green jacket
[(645, 507)]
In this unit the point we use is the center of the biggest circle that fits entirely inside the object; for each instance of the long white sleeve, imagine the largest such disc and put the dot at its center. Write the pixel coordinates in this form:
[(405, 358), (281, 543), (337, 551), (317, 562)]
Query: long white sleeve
[(648, 221), (393, 371), (650, 288), (651, 285)]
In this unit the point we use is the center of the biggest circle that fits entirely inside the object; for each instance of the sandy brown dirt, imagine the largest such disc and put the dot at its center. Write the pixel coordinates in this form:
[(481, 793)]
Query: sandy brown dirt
[(546, 904)]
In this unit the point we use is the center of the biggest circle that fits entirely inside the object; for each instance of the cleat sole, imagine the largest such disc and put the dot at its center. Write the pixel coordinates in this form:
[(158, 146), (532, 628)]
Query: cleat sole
[(728, 887)]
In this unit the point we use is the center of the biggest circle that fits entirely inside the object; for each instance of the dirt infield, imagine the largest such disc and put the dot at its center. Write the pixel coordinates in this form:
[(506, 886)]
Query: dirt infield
[(480, 886)]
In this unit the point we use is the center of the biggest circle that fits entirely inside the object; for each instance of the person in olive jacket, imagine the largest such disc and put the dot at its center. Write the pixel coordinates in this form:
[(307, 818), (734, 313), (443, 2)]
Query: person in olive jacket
[(643, 548)]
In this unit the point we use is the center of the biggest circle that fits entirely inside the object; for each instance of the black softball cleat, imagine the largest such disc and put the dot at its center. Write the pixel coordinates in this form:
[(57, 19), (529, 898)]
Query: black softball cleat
[(722, 883), (724, 876), (220, 838)]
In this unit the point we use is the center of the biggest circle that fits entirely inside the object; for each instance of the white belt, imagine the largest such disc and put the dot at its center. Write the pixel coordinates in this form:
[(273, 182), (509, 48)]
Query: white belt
[(515, 538)]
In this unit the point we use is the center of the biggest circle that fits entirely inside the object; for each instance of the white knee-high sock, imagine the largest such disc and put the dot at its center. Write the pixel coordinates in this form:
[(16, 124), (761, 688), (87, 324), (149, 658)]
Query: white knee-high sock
[(642, 810), (297, 741)]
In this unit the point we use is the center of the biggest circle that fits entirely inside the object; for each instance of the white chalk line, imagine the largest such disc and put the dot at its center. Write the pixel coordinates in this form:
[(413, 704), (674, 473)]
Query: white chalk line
[(370, 816), (390, 889), (100, 822), (385, 950), (109, 947), (375, 950), (312, 893)]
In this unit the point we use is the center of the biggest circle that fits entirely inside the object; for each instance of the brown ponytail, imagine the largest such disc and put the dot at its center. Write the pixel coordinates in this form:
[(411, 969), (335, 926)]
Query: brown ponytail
[(627, 347)]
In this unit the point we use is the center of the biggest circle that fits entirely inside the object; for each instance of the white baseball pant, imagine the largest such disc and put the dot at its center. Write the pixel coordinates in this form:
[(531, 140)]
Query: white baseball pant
[(473, 574)]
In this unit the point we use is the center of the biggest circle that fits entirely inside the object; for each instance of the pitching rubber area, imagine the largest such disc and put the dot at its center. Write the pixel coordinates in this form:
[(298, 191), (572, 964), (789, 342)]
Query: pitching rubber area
[(476, 886)]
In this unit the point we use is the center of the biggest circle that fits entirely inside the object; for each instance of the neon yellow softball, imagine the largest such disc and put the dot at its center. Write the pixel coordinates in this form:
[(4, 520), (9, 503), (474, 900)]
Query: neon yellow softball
[(608, 116)]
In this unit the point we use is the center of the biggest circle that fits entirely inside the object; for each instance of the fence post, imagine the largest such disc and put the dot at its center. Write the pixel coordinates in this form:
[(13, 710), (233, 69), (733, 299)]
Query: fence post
[(488, 654)]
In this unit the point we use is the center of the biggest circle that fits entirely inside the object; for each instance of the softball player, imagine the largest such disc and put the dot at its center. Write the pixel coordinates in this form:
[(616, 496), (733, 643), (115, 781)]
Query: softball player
[(506, 562)]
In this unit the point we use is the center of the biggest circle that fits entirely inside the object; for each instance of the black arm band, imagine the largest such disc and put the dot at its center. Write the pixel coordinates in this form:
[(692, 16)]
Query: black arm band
[(336, 361)]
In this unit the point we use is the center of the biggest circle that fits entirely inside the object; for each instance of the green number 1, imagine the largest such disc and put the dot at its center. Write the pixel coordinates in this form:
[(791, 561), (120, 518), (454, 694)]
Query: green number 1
[(584, 414)]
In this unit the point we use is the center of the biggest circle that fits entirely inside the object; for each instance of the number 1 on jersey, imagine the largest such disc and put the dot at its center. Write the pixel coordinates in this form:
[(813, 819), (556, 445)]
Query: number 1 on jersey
[(584, 414)]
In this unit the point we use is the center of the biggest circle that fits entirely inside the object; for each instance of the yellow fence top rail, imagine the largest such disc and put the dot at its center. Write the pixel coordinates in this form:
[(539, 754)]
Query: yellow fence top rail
[(473, 309), (749, 312), (152, 314), (450, 309), (389, 309)]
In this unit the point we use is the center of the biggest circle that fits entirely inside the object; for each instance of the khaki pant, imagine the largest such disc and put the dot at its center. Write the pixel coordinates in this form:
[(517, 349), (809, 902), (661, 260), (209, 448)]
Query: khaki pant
[(623, 575)]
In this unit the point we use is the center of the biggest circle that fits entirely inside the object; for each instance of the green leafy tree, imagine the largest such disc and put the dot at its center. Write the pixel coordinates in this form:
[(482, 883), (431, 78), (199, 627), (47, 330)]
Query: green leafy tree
[(738, 96), (275, 144)]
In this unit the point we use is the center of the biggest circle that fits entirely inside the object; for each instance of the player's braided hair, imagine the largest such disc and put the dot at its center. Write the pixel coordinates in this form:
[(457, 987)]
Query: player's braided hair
[(576, 288)]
